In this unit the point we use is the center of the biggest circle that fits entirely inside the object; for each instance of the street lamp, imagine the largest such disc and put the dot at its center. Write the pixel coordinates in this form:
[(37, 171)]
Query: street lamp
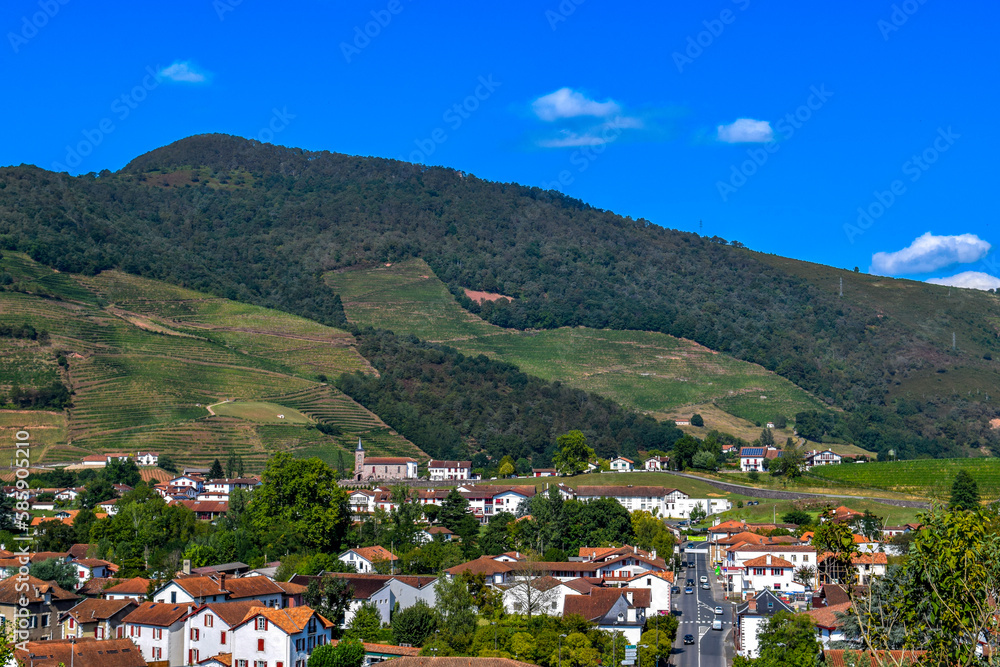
[(614, 645), (638, 653), (560, 649)]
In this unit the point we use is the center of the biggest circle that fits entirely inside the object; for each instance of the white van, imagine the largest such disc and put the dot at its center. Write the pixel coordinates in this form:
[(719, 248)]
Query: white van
[(716, 624)]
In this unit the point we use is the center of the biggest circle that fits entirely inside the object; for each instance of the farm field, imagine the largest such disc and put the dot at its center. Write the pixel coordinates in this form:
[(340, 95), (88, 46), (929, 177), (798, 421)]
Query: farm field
[(144, 359), (261, 412), (646, 371), (46, 429), (930, 478), (692, 487)]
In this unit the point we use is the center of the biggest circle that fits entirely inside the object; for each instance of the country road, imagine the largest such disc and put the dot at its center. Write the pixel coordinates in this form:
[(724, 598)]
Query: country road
[(774, 494)]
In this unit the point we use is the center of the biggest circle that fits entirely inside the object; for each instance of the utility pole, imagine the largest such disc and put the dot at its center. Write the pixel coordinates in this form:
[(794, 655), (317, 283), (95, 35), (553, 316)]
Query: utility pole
[(953, 340), (841, 287)]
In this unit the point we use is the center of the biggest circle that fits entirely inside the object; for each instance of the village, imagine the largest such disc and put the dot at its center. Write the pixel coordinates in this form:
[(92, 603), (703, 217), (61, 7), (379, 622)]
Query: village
[(231, 614)]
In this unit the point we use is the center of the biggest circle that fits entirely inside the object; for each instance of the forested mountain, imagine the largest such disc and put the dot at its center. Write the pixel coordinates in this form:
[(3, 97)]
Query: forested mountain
[(262, 223)]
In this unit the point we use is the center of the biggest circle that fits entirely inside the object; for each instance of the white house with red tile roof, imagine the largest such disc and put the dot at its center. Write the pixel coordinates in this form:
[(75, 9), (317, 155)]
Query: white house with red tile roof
[(158, 630), (89, 568), (448, 470), (770, 572), (659, 585), (209, 628), (363, 559), (622, 464), (543, 595), (147, 458), (657, 463), (279, 637)]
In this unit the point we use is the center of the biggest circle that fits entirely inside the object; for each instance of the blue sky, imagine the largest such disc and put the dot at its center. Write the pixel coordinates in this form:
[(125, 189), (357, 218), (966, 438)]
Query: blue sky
[(768, 123)]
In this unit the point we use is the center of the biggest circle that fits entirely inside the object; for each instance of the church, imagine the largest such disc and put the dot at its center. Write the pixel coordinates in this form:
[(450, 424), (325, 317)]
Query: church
[(382, 467)]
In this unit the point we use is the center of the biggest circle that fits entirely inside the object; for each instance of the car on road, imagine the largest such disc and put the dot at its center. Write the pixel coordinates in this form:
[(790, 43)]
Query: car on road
[(688, 639), (706, 587), (718, 611), (703, 579), (716, 624), (690, 582), (691, 563), (675, 589), (688, 591)]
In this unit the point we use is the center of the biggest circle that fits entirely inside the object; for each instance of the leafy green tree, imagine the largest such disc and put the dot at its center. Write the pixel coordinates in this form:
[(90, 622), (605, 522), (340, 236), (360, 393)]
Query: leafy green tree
[(753, 476), (576, 651), (703, 460), (697, 420), (454, 516), (506, 469), (697, 514), (573, 454), (167, 463), (53, 569), (54, 535), (798, 517), (366, 624), (330, 596), (785, 640), (346, 653), (964, 492), (496, 537), (523, 466), (766, 438), (122, 472), (231, 463), (684, 450), (302, 493), (780, 421), (96, 492), (457, 610), (216, 472), (414, 624), (659, 640)]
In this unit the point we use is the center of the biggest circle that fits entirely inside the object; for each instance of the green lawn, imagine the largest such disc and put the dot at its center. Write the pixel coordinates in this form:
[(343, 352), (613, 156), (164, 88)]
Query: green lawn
[(261, 412)]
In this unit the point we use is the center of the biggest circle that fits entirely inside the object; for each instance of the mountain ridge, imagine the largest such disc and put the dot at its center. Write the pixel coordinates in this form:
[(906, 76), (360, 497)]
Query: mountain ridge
[(261, 224)]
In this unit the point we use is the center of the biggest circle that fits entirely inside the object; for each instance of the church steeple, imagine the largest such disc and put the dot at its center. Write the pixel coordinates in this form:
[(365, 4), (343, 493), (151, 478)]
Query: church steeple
[(359, 460)]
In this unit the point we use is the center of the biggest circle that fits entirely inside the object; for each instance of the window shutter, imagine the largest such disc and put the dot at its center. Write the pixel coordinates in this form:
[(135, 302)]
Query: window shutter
[(260, 644), (223, 637), (265, 624)]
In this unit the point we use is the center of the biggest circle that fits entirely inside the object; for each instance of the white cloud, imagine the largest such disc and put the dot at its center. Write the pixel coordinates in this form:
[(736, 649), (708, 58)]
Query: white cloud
[(597, 135), (568, 103), (970, 280), (930, 253), (183, 72), (746, 130)]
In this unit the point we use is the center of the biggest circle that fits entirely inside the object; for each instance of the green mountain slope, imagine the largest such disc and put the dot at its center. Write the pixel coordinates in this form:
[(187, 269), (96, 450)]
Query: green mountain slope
[(145, 360), (647, 371), (262, 224)]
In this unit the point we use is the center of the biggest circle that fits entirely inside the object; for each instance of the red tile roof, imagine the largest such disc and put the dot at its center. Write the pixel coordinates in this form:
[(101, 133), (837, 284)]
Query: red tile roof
[(375, 553), (161, 614), (826, 617), (291, 620), (10, 592), (133, 586), (95, 609), (767, 561), (83, 652)]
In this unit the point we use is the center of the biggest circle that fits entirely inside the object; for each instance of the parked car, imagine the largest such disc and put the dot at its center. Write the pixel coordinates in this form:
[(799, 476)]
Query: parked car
[(688, 639), (690, 582), (675, 589), (703, 579)]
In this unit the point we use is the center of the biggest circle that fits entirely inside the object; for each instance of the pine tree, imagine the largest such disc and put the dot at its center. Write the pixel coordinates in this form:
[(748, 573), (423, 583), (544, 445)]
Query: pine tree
[(215, 472), (766, 438), (964, 492)]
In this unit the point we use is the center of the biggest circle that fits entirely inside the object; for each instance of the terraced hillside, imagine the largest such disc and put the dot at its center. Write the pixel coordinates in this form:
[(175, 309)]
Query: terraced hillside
[(145, 359), (652, 372), (930, 478)]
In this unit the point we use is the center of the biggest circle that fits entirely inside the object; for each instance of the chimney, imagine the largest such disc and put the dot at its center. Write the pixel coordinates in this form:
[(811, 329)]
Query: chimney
[(628, 596), (186, 567), (769, 559), (653, 554), (752, 606), (222, 580)]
